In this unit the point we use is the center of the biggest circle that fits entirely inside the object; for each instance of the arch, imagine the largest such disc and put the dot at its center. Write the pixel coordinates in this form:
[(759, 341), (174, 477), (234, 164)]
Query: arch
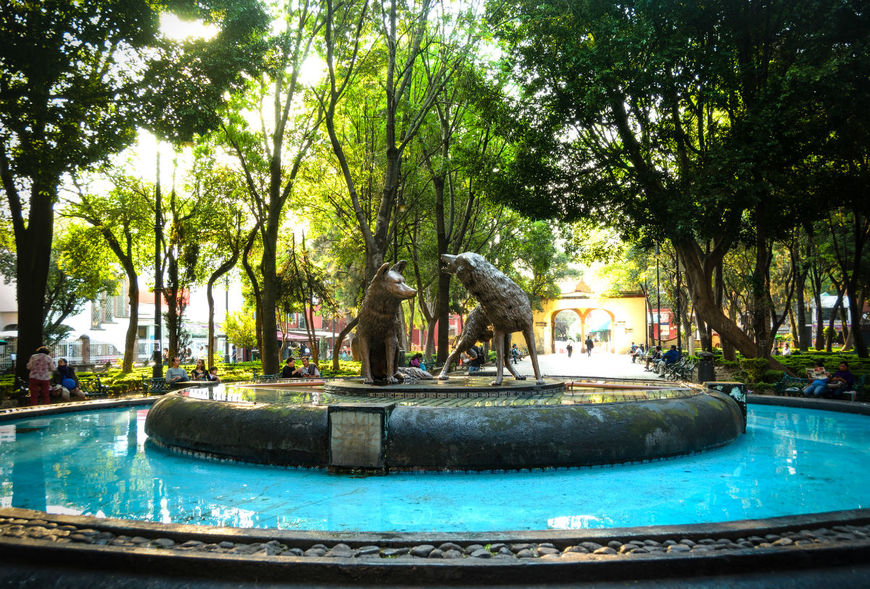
[(626, 313), (580, 314), (589, 328)]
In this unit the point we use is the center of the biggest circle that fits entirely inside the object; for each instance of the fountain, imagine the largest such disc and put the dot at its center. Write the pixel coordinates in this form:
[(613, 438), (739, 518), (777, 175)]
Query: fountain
[(409, 422), (390, 420)]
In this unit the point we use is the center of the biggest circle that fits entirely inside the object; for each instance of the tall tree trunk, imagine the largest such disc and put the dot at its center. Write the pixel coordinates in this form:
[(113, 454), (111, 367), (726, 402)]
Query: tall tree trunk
[(793, 327), (33, 249), (255, 284), (699, 269), (215, 276), (800, 290), (728, 351), (820, 320), (430, 337), (704, 335), (269, 326), (857, 334), (172, 293), (830, 331), (688, 319), (336, 349), (761, 308), (846, 333), (130, 351)]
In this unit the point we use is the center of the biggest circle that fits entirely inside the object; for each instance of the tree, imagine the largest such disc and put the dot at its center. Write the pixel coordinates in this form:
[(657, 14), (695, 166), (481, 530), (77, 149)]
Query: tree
[(407, 32), (271, 154), (305, 286), (184, 90), (222, 228), (65, 104), (73, 77), (78, 273), (667, 120), (123, 217), (241, 329)]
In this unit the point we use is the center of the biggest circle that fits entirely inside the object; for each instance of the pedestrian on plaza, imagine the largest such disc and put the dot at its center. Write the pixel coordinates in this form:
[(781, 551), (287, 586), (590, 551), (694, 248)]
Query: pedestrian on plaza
[(40, 366), (656, 355), (638, 353), (199, 372), (569, 348), (176, 373), (475, 358), (289, 370), (668, 358), (68, 382), (308, 369), (589, 345), (819, 377)]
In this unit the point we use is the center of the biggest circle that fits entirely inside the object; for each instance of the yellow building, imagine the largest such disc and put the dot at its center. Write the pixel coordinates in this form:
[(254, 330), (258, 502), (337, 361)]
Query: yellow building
[(613, 322)]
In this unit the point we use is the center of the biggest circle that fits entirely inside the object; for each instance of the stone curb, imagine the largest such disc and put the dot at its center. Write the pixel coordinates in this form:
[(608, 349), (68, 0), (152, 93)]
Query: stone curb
[(788, 543)]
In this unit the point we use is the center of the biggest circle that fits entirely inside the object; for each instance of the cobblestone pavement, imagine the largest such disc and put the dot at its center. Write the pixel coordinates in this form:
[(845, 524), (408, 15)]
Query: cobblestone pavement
[(600, 364)]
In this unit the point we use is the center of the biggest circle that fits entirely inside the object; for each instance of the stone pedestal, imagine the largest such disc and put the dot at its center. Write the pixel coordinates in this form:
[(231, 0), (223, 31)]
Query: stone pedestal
[(357, 436)]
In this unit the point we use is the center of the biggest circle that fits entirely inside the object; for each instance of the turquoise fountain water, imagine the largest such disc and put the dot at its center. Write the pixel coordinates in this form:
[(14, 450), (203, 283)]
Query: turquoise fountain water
[(791, 461)]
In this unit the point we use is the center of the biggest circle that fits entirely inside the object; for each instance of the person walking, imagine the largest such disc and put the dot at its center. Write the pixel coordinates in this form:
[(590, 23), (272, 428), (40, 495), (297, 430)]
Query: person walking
[(40, 366), (569, 348), (589, 345)]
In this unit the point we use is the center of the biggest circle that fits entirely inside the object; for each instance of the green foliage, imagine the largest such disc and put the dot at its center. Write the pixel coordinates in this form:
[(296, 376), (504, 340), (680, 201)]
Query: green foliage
[(185, 86), (539, 263), (241, 329), (79, 271), (772, 376), (755, 368)]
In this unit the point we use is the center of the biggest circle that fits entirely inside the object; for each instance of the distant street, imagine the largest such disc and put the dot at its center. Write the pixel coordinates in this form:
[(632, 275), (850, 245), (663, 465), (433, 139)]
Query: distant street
[(600, 364)]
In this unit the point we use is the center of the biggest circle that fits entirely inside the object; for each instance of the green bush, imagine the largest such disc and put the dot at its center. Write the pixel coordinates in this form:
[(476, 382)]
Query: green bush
[(772, 376), (754, 367)]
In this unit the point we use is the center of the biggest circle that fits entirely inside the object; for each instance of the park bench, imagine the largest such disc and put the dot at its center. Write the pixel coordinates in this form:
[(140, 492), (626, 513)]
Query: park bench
[(93, 388), (681, 369), (266, 377), (852, 393), (155, 386), (792, 386)]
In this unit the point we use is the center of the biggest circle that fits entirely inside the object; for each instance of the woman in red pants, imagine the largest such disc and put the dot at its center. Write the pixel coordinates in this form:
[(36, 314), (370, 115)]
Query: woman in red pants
[(40, 366)]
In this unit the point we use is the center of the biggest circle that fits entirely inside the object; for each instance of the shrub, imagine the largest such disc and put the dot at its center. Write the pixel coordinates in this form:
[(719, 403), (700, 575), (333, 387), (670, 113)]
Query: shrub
[(755, 368), (772, 376)]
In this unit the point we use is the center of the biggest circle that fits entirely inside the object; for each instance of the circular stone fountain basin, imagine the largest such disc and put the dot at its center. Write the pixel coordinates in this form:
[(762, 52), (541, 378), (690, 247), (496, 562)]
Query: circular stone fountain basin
[(383, 433)]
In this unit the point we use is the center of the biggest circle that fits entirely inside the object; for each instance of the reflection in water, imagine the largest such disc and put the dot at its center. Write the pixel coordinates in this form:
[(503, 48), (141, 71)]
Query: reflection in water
[(28, 475), (98, 463)]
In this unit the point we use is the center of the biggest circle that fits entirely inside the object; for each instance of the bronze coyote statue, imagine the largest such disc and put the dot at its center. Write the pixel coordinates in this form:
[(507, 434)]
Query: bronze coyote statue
[(379, 326), (504, 304)]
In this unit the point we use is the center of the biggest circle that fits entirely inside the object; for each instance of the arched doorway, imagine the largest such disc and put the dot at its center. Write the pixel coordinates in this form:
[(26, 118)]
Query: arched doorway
[(599, 326), (567, 326)]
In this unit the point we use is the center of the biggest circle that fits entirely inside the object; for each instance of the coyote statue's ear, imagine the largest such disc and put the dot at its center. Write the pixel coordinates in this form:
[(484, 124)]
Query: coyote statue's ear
[(382, 270), (399, 266)]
